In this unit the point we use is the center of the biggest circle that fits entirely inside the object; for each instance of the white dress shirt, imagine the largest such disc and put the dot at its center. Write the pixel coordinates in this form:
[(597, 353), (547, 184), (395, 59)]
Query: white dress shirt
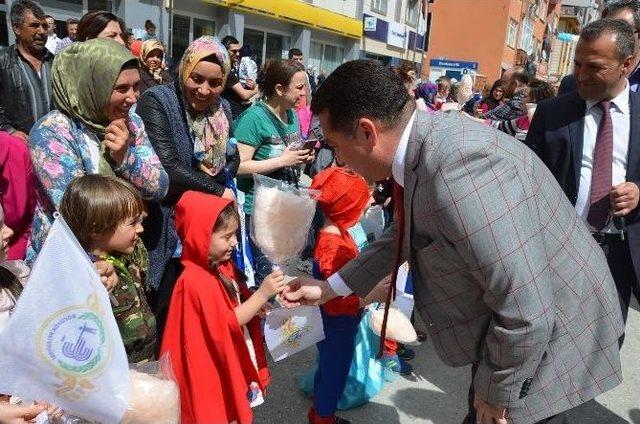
[(336, 282), (621, 120), (52, 43)]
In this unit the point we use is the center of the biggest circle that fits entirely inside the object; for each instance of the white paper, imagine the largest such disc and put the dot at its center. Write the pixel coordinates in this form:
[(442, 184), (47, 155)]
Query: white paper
[(62, 344), (404, 303), (401, 279), (289, 331)]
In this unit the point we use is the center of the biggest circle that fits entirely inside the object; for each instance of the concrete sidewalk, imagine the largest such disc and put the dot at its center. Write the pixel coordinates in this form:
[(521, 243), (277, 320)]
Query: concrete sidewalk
[(438, 394)]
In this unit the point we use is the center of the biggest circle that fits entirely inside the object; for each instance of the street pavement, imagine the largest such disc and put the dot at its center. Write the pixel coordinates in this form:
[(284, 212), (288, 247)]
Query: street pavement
[(438, 394)]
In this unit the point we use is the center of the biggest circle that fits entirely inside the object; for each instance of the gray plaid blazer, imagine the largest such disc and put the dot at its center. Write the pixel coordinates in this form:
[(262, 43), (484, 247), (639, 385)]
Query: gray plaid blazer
[(506, 275)]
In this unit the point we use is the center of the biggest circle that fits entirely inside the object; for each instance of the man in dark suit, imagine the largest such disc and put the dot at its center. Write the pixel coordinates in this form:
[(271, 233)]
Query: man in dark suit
[(628, 11), (590, 140)]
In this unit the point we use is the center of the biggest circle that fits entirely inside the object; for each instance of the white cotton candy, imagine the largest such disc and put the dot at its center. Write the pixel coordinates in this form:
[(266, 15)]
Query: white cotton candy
[(281, 218), (152, 400)]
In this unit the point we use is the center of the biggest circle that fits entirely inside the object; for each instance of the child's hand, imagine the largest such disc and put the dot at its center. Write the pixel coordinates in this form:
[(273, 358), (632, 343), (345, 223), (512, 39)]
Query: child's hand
[(264, 311), (379, 292), (272, 284), (107, 274)]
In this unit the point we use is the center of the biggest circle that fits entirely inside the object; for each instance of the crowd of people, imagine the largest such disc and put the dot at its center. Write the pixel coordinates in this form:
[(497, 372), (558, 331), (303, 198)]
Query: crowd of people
[(150, 161)]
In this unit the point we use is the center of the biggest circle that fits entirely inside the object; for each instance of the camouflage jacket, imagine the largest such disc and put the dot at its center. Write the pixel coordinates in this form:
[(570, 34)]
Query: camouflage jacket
[(135, 319)]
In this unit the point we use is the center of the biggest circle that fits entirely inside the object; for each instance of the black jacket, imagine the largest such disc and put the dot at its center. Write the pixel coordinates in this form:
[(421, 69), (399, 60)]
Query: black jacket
[(182, 176), (556, 135), (16, 107), (147, 81)]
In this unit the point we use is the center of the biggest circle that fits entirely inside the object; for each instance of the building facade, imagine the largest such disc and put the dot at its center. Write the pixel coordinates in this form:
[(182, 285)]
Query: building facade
[(495, 35), (394, 30), (327, 31)]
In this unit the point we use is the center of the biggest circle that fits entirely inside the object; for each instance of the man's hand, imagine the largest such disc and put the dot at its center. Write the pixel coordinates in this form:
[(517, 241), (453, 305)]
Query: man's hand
[(250, 84), (624, 198), (306, 291), (107, 274), (379, 292), (489, 414), (16, 414)]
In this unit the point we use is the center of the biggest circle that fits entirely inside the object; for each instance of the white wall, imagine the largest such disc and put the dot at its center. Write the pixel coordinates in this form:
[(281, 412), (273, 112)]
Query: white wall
[(351, 8)]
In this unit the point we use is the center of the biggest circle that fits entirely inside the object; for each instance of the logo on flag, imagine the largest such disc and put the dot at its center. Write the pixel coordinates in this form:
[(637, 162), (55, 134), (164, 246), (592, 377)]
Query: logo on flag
[(74, 343)]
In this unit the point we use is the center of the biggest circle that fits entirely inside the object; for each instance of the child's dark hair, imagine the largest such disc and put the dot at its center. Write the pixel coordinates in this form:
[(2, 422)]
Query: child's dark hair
[(97, 204), (227, 214), (10, 282)]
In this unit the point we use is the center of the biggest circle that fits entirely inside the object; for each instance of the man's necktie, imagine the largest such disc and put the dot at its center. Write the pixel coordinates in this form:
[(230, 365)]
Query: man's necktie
[(599, 203), (398, 203)]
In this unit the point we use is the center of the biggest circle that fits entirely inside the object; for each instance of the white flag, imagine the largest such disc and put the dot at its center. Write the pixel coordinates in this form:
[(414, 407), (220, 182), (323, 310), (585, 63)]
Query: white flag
[(62, 343)]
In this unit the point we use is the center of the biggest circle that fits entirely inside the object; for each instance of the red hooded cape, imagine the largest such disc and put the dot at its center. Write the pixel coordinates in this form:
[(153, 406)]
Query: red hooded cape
[(206, 344)]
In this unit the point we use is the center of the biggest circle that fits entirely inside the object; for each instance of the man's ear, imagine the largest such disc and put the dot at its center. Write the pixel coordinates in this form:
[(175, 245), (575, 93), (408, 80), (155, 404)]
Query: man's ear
[(368, 129)]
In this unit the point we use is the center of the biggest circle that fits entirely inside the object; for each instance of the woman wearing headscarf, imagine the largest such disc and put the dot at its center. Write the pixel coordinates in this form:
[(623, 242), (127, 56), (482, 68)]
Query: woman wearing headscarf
[(189, 126), (92, 131), (152, 70)]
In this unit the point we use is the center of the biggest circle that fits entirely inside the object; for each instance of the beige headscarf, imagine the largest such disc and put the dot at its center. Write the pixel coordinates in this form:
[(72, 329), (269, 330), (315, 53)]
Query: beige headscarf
[(147, 47)]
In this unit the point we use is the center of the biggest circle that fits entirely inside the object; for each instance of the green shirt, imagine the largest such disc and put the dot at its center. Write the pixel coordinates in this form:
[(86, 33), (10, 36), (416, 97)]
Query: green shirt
[(260, 128)]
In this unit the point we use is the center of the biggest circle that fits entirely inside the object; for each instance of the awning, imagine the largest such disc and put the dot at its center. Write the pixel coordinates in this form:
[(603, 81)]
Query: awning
[(298, 12)]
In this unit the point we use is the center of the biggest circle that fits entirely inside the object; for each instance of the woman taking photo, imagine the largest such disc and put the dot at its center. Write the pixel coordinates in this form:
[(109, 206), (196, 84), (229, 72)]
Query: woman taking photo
[(93, 129), (189, 126), (152, 70), (269, 139)]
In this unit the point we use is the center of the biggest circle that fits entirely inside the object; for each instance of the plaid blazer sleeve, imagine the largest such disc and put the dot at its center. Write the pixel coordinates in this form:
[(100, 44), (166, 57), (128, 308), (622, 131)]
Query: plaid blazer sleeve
[(372, 265), (488, 213)]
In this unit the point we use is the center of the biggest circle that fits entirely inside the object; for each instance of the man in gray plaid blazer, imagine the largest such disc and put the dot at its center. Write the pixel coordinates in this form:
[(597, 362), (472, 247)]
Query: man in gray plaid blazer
[(506, 275)]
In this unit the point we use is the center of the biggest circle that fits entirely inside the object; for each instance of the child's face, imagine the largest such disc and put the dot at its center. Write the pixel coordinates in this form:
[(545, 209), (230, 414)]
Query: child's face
[(123, 239), (5, 235), (223, 241)]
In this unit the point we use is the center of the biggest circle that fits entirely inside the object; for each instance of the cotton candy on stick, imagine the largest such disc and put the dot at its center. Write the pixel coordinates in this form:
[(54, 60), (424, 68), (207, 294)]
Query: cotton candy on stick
[(281, 218)]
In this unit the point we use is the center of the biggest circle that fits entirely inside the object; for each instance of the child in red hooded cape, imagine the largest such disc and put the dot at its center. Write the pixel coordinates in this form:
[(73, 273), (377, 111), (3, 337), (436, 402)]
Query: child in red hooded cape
[(344, 196), (213, 333)]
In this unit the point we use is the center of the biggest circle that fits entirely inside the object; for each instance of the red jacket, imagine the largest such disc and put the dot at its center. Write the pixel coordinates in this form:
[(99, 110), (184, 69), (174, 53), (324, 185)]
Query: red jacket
[(17, 192), (206, 344)]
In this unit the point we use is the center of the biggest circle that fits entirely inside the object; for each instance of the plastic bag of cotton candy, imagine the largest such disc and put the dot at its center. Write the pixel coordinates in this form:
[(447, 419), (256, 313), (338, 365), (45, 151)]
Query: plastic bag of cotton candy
[(281, 219), (153, 394)]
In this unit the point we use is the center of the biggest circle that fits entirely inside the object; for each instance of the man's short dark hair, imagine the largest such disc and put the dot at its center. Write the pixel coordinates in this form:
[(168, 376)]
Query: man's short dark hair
[(357, 89), (229, 40), (625, 37), (72, 21), (295, 52), (16, 15), (615, 6)]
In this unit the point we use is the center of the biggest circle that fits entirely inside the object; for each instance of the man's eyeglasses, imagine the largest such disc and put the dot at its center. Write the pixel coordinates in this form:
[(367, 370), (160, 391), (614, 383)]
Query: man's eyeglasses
[(234, 51)]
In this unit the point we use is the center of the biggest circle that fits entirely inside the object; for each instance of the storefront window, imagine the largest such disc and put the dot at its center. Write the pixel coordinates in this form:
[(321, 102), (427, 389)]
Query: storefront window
[(325, 57), (203, 27), (277, 46), (255, 40), (93, 5), (181, 36)]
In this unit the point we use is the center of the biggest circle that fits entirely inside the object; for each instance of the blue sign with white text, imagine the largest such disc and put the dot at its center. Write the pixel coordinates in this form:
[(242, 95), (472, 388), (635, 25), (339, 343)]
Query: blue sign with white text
[(453, 64)]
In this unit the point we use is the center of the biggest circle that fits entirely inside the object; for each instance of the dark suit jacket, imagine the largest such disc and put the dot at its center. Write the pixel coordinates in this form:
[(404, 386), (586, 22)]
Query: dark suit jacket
[(556, 135)]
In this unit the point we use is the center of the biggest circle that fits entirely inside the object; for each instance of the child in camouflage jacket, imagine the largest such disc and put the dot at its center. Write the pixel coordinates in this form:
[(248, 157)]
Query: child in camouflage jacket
[(105, 214)]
